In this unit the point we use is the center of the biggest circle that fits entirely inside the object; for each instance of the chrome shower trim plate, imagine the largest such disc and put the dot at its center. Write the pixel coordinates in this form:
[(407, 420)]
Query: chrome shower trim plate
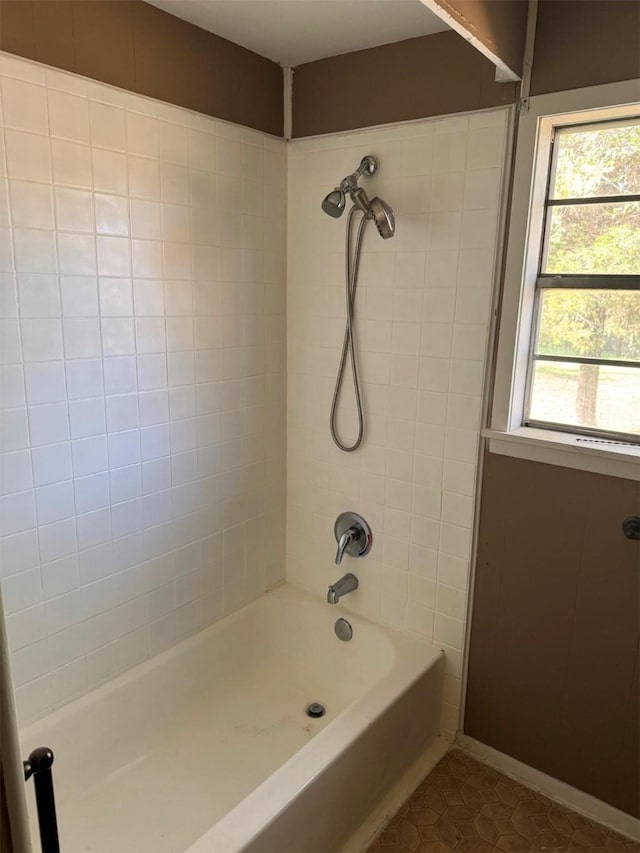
[(361, 544)]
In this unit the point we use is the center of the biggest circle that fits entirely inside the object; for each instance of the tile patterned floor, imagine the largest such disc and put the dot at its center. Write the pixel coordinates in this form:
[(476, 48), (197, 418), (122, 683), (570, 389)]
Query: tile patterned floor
[(465, 806)]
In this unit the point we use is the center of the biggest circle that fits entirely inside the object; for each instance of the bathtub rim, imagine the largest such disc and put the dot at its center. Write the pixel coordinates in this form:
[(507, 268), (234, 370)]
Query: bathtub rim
[(284, 591)]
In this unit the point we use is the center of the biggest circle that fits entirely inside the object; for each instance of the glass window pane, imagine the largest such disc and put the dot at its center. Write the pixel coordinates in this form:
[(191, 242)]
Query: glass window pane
[(593, 239), (590, 324), (584, 395), (597, 160)]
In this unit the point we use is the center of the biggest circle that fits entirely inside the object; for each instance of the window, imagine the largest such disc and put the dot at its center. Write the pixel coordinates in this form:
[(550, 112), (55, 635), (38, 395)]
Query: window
[(584, 367), (566, 388)]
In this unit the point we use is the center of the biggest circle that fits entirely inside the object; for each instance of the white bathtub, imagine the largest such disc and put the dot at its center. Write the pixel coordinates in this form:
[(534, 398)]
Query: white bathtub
[(207, 747)]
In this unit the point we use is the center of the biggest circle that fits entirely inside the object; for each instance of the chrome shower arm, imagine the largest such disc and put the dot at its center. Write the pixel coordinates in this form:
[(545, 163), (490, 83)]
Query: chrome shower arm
[(368, 167)]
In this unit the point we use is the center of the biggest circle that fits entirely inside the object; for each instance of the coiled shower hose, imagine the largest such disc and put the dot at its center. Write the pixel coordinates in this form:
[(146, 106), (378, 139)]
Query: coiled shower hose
[(352, 266)]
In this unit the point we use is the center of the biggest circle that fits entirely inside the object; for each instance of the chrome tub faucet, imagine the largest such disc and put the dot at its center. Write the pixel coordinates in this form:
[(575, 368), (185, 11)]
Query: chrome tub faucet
[(347, 583)]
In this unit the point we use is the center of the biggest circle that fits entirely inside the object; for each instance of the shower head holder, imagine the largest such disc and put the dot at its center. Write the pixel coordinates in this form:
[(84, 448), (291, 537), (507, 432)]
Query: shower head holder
[(368, 167)]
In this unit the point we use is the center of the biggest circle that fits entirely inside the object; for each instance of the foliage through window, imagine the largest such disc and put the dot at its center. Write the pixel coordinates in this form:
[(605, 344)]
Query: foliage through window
[(584, 374)]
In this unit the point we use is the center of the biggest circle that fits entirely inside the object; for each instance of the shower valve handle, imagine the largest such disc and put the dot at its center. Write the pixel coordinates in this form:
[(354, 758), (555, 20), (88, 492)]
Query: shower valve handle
[(353, 535), (343, 543)]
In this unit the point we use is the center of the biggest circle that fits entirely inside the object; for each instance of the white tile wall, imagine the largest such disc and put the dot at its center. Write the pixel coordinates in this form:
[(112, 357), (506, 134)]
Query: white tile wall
[(422, 314), (142, 376), (142, 373)]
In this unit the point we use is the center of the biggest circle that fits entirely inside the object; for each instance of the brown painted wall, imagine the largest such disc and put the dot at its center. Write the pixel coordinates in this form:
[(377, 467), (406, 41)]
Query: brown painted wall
[(133, 45), (411, 79), (500, 25), (555, 632), (578, 43), (585, 43)]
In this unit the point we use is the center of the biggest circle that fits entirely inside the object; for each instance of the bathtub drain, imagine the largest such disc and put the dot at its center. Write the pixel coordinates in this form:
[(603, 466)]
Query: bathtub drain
[(315, 709)]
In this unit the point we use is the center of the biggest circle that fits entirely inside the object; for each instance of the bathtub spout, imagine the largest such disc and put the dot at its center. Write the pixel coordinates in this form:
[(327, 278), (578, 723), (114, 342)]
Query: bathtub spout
[(346, 584)]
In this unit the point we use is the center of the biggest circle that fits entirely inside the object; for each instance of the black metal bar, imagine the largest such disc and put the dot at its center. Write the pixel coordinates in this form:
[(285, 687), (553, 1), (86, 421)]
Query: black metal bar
[(601, 199), (38, 765), (579, 359), (590, 282)]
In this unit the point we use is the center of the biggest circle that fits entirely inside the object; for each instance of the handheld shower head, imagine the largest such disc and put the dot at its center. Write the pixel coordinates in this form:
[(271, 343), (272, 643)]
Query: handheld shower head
[(385, 220), (334, 203), (384, 217)]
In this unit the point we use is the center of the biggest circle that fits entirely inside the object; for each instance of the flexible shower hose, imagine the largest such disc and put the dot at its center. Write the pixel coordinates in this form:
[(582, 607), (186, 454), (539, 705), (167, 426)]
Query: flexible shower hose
[(348, 343)]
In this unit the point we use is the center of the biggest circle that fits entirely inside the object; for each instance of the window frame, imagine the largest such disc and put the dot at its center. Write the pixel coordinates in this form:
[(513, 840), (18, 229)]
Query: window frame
[(506, 429), (574, 281)]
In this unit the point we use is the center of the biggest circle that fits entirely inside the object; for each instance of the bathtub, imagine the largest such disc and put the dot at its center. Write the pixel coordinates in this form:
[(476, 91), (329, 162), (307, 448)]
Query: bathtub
[(208, 747)]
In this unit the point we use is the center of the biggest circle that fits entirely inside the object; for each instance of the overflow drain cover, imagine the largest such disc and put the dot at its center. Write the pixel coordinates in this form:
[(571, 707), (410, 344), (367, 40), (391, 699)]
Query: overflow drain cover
[(315, 709)]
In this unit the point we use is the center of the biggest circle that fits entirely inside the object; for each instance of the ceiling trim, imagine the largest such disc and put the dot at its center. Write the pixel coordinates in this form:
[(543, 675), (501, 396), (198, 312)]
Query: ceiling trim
[(448, 13)]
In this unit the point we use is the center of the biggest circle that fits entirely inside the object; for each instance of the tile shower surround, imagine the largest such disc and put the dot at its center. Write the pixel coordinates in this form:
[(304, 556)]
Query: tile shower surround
[(142, 376), (422, 314)]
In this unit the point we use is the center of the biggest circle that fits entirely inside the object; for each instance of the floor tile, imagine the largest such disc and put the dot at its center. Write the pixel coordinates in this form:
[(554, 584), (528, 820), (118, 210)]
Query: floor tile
[(466, 806)]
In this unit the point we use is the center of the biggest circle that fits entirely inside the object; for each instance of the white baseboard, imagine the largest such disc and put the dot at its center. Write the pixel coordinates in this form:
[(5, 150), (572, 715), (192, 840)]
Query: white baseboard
[(395, 797), (579, 801)]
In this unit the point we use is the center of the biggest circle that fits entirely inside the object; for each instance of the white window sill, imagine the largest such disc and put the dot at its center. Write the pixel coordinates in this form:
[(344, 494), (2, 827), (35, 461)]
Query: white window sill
[(564, 449)]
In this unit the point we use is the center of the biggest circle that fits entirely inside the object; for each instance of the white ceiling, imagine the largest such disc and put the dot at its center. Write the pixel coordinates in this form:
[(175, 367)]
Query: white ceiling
[(295, 31)]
